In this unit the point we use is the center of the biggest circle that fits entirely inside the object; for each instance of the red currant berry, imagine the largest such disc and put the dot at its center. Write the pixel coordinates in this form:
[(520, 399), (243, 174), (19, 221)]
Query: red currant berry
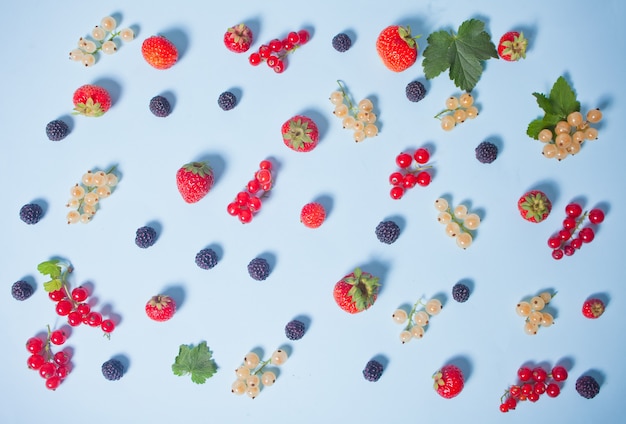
[(568, 250), (533, 397), (539, 388), (47, 370), (232, 209), (423, 178), (94, 319), (539, 374), (83, 309), (421, 156), (515, 391), (596, 216), (53, 382), (64, 307), (303, 36), (565, 234), (293, 37), (504, 407), (573, 210), (403, 160), (254, 204), (559, 373), (61, 357), (74, 318), (253, 186), (266, 186), (107, 326), (409, 181), (79, 294), (272, 61), (576, 243), (58, 337), (553, 390), (245, 216), (279, 68), (524, 374), (557, 254), (276, 45), (586, 235), (396, 178), (254, 59), (242, 198), (554, 242), (569, 223), (263, 176), (397, 192), (527, 389), (265, 51), (287, 45), (35, 361), (57, 295), (63, 371), (511, 402), (34, 345), (265, 164)]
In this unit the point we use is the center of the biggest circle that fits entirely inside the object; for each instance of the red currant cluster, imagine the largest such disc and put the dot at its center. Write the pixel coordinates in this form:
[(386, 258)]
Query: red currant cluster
[(532, 384), (571, 236), (248, 201), (275, 52), (53, 367), (409, 176), (75, 306)]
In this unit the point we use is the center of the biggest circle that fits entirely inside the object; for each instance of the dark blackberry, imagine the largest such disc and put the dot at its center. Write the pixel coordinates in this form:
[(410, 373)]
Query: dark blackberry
[(227, 100), (342, 42), (387, 232), (112, 370), (206, 258), (146, 237), (21, 290), (259, 269), (415, 91), (57, 130), (31, 213), (294, 330), (160, 106), (373, 370), (486, 152), (587, 386), (460, 292)]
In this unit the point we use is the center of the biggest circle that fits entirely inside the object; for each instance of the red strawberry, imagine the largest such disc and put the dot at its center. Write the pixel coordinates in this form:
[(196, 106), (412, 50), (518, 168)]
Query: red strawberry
[(593, 308), (160, 307), (238, 38), (91, 100), (448, 381), (300, 133), (313, 215), (356, 291), (194, 181), (159, 52), (534, 206), (397, 48), (512, 46)]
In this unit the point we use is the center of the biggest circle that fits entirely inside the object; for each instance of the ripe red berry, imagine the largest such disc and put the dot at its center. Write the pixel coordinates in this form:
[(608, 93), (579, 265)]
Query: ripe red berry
[(524, 373), (573, 210), (242, 198), (56, 295), (264, 176), (554, 242), (276, 45), (396, 178), (559, 373), (511, 402), (279, 67), (515, 391), (94, 319), (254, 59), (61, 357), (245, 216), (504, 407), (423, 178), (403, 160), (254, 204), (58, 337), (74, 318), (565, 234), (539, 387), (586, 235), (83, 309), (34, 345), (533, 397), (527, 389), (79, 294), (35, 361), (63, 371), (265, 164), (303, 36), (576, 243), (568, 250), (553, 390), (53, 382), (47, 370), (569, 223), (64, 307), (409, 181), (293, 37), (557, 254), (421, 156), (107, 326), (233, 209), (397, 192), (539, 374), (596, 216), (265, 51), (253, 186)]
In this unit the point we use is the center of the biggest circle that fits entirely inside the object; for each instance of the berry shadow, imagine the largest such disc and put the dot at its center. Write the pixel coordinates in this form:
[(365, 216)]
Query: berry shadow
[(118, 16), (176, 292), (124, 360), (350, 33), (581, 200), (603, 296), (90, 287), (419, 26), (567, 362), (69, 120), (112, 86), (320, 120), (271, 259), (464, 364), (442, 297), (287, 348), (171, 98), (597, 374), (255, 26), (378, 269), (383, 359), (306, 320), (238, 92), (107, 311), (158, 228), (218, 249), (327, 201), (180, 40), (30, 279), (217, 164), (530, 34), (550, 188)]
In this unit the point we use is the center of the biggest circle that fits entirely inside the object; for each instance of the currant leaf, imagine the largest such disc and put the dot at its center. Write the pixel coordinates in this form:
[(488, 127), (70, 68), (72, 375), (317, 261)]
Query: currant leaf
[(50, 268), (560, 103), (195, 361)]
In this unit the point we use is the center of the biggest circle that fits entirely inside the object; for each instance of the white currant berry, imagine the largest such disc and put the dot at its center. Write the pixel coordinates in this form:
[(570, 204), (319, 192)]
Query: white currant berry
[(98, 33), (108, 23), (109, 47), (127, 34)]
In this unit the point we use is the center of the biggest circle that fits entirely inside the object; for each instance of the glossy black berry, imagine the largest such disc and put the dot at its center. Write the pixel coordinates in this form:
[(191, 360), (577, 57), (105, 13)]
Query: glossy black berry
[(227, 100), (415, 91), (21, 290), (259, 269), (460, 292), (145, 237), (373, 370), (57, 130), (486, 152), (587, 386), (206, 258), (160, 106), (112, 370), (31, 213), (342, 42), (387, 232), (294, 330)]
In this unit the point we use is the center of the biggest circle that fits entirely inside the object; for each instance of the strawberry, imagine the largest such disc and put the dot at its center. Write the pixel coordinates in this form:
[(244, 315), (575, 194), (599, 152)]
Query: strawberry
[(512, 46), (448, 381), (593, 308), (194, 181), (397, 48), (300, 133), (356, 291), (91, 100), (160, 307), (313, 215), (238, 38), (534, 206), (159, 52)]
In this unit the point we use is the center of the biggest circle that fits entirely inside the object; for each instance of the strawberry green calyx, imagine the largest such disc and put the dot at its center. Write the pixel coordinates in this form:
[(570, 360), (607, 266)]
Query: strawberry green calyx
[(88, 108), (299, 134), (405, 34), (515, 48), (201, 169), (536, 206), (364, 288)]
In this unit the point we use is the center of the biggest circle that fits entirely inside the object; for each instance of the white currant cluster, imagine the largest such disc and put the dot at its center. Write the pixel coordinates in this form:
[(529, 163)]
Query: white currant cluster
[(416, 319), (254, 374), (360, 118), (568, 136), (533, 311), (457, 111), (458, 222), (103, 38), (86, 195)]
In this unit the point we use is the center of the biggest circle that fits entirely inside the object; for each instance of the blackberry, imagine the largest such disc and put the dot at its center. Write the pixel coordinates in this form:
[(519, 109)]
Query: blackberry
[(21, 290), (460, 292), (57, 130), (294, 330), (387, 232), (146, 237), (373, 370), (31, 213), (259, 269), (112, 370), (160, 106), (587, 386), (415, 91), (227, 100), (206, 258), (486, 152), (341, 42)]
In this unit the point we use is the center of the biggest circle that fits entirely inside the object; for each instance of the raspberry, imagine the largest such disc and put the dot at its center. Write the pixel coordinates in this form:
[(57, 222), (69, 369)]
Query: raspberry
[(146, 237), (460, 292), (486, 152), (341, 42), (259, 269), (415, 91), (227, 100), (31, 213), (21, 290), (373, 370), (112, 369), (294, 330), (387, 232), (206, 258), (57, 130), (160, 106), (587, 386)]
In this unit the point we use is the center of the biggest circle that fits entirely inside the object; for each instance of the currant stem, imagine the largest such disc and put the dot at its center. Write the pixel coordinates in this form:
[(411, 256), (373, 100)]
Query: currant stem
[(412, 312), (438, 116), (347, 97), (460, 222), (262, 366)]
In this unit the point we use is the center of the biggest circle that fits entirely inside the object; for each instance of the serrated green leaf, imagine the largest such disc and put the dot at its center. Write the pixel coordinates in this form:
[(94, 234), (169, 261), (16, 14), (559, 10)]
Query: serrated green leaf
[(544, 102), (50, 268), (563, 98), (436, 55), (53, 285), (196, 361)]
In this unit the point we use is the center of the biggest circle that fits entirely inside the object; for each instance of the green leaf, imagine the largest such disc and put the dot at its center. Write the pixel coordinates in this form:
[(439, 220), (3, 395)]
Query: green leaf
[(544, 102), (463, 54), (53, 285), (50, 268), (563, 98), (196, 361)]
